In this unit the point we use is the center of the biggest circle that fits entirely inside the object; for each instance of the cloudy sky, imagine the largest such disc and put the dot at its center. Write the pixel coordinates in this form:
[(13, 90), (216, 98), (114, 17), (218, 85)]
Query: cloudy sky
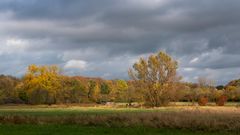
[(105, 37)]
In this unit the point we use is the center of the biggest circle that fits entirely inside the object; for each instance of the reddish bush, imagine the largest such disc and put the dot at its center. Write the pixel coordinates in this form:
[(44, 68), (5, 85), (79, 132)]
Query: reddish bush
[(221, 100), (202, 101)]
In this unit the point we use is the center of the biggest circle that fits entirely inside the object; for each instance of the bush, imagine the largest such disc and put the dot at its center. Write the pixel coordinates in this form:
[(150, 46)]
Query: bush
[(221, 100), (202, 101)]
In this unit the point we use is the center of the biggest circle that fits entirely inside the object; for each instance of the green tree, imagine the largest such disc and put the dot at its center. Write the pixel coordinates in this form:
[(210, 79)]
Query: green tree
[(156, 76), (105, 88)]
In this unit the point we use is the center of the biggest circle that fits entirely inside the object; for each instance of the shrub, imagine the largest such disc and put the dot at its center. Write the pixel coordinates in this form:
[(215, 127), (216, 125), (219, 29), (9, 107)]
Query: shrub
[(221, 100), (202, 101)]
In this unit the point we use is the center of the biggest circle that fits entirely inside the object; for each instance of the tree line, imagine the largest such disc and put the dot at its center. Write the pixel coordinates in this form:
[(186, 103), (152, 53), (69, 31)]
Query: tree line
[(153, 82)]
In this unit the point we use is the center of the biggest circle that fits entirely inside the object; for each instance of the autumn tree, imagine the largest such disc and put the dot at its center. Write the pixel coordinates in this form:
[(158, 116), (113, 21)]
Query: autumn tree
[(72, 91), (8, 92), (233, 93), (96, 93), (93, 91), (233, 90), (41, 84), (133, 94), (121, 90), (105, 91), (205, 90), (157, 77)]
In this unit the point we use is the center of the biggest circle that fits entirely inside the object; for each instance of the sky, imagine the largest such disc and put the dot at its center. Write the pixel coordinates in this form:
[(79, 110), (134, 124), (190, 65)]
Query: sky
[(103, 38)]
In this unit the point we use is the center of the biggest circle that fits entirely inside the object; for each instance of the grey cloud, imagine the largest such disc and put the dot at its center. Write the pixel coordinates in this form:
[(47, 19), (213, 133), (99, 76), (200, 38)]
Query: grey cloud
[(107, 33)]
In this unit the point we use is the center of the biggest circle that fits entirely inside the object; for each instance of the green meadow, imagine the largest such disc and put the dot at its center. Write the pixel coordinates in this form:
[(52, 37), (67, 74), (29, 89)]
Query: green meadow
[(91, 130)]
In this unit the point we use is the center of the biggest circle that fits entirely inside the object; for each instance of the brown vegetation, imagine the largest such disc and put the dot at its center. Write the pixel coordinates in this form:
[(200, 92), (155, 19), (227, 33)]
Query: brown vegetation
[(190, 118), (221, 100), (202, 101)]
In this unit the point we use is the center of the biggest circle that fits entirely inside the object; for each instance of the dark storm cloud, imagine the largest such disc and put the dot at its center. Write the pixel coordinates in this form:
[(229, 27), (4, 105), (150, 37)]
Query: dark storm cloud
[(55, 9), (104, 35)]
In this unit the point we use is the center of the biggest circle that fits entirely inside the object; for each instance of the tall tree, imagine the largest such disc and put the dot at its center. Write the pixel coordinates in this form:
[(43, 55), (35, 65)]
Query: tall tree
[(156, 77)]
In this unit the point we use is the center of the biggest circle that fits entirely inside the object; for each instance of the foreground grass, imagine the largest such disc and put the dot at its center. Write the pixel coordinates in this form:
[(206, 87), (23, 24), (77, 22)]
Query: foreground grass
[(206, 119), (83, 130)]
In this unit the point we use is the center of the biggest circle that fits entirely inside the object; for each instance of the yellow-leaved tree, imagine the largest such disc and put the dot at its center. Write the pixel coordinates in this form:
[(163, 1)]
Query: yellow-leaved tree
[(41, 84)]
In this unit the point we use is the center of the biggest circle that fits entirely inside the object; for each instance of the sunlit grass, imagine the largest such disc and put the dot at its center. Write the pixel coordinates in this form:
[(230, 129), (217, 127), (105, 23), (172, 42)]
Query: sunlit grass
[(70, 110), (44, 110)]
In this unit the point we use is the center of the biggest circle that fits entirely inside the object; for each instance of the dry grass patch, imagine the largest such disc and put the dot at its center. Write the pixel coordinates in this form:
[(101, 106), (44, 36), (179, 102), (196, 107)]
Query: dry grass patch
[(193, 118)]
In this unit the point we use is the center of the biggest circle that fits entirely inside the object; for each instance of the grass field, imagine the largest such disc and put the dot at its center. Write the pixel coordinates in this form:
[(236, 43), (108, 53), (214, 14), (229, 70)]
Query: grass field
[(70, 110), (62, 119), (45, 110), (88, 130)]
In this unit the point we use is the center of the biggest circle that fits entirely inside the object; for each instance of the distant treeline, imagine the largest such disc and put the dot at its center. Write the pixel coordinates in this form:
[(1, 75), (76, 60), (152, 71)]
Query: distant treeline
[(44, 85), (153, 86)]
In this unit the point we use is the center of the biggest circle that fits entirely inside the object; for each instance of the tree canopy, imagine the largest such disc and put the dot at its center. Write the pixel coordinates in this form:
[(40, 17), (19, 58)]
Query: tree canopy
[(157, 76)]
